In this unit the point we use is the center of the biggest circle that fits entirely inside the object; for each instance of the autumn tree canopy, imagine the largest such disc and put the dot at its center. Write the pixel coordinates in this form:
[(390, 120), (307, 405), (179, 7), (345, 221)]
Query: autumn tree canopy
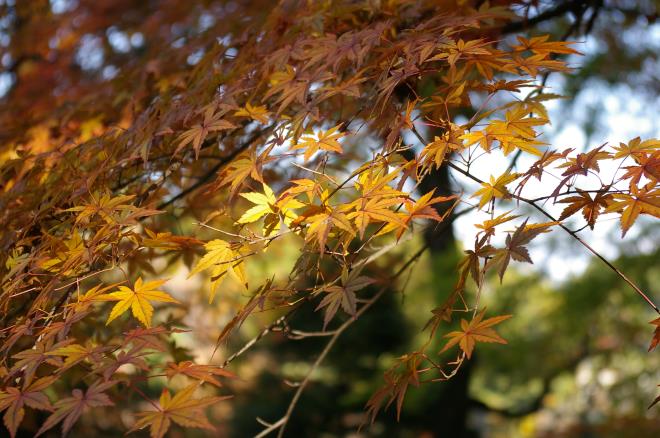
[(137, 135)]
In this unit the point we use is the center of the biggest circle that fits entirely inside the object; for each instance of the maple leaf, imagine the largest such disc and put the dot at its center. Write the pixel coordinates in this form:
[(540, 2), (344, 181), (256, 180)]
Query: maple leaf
[(309, 187), (148, 338), (648, 166), (539, 61), (203, 373), (540, 45), (292, 85), (375, 184), (74, 251), (76, 353), (134, 357), (495, 189), (441, 313), (436, 151), (643, 201), (323, 140), (221, 258), (452, 51), (264, 204), (489, 225), (514, 247), (475, 331), (484, 138), (14, 400), (248, 164), (590, 206), (69, 409), (584, 162), (181, 409), (321, 219), (470, 263), (258, 113), (375, 202), (398, 378), (343, 295), (636, 147), (197, 134), (138, 300), (168, 241), (420, 209), (29, 360), (85, 300), (517, 131), (274, 210), (374, 209), (105, 207)]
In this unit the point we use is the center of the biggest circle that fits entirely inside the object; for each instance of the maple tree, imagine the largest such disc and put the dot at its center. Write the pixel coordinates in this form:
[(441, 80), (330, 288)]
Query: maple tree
[(312, 125)]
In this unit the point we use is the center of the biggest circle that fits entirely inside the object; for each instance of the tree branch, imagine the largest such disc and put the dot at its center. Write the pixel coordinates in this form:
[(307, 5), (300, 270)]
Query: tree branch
[(562, 226), (569, 231), (559, 10)]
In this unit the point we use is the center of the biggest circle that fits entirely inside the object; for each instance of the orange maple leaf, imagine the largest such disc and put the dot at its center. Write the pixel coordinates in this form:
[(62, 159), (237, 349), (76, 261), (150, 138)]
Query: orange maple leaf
[(182, 409), (475, 331)]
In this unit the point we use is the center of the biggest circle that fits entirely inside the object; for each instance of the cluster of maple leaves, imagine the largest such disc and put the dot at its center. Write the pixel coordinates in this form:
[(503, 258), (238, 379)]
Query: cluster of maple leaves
[(298, 132)]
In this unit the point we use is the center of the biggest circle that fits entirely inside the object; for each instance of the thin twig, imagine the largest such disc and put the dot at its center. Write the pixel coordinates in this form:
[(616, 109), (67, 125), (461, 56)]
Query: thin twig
[(296, 397)]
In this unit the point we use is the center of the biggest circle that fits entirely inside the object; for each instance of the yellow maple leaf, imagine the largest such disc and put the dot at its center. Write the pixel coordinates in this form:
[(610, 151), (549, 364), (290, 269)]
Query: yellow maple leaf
[(636, 147), (73, 353), (435, 152), (324, 140), (258, 113), (541, 46), (266, 204), (247, 164), (495, 189), (489, 225), (374, 209), (482, 137), (221, 259), (517, 131), (137, 299)]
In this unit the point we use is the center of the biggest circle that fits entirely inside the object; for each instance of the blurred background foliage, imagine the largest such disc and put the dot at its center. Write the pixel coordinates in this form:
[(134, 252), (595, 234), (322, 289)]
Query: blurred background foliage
[(576, 364)]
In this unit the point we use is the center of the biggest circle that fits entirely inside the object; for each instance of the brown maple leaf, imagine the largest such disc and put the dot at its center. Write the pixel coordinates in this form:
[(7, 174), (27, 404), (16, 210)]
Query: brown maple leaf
[(14, 401), (590, 207), (69, 409)]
